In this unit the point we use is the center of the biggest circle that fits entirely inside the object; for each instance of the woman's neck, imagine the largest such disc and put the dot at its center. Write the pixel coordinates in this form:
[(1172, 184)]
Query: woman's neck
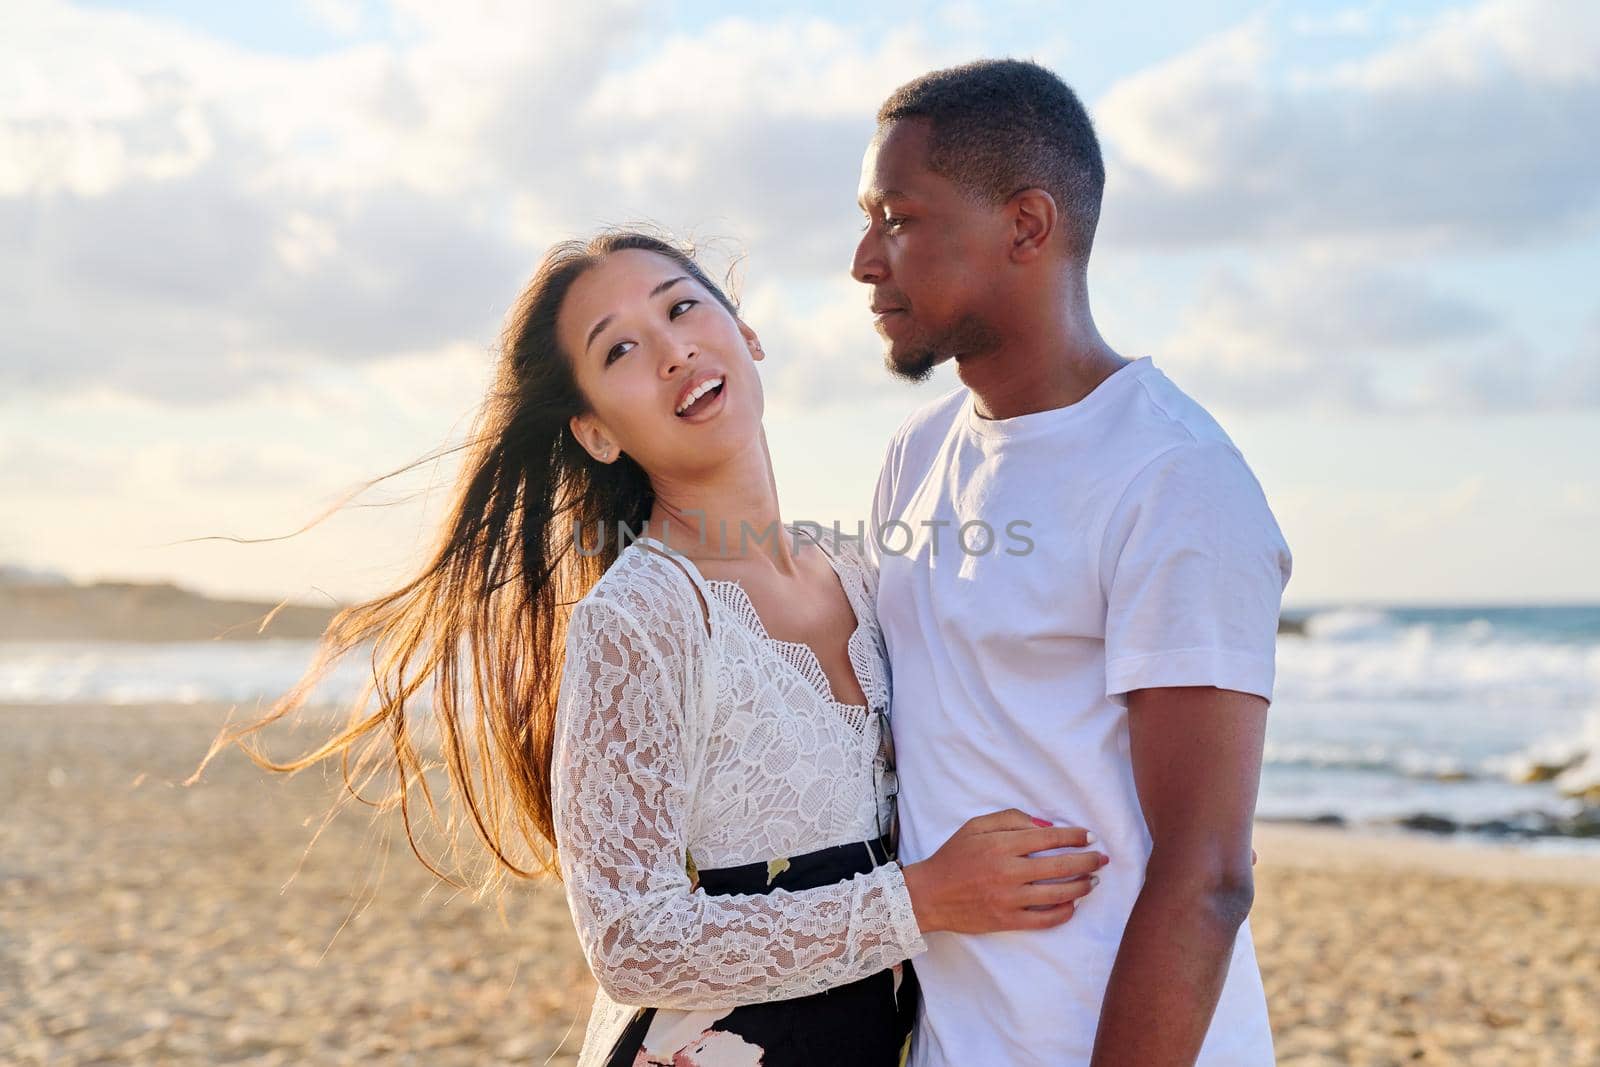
[(730, 514)]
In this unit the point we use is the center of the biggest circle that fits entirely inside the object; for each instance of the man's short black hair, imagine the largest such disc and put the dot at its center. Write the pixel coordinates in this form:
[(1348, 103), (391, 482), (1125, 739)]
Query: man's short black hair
[(1001, 125)]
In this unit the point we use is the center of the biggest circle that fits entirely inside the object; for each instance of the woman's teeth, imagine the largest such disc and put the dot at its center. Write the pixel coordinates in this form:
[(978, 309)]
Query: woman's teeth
[(699, 391)]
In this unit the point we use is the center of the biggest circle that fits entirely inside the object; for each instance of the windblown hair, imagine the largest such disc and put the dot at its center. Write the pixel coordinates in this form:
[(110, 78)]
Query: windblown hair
[(483, 625), (999, 126)]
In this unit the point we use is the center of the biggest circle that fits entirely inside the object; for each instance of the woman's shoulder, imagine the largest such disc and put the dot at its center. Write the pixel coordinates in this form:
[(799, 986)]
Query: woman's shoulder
[(636, 637), (844, 544), (655, 593)]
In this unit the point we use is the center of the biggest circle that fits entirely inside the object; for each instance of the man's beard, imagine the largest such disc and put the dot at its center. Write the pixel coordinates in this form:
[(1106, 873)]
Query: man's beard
[(969, 337), (916, 366)]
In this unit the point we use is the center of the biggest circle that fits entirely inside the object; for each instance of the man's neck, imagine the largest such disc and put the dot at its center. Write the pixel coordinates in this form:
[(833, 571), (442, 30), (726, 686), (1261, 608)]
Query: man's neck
[(1051, 358), (1038, 373)]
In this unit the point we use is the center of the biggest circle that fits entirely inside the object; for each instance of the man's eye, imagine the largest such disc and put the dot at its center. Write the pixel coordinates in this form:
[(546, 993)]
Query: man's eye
[(893, 222), (673, 312), (618, 349)]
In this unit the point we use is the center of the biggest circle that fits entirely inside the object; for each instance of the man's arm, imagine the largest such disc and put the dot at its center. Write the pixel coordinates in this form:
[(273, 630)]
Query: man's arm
[(1196, 753)]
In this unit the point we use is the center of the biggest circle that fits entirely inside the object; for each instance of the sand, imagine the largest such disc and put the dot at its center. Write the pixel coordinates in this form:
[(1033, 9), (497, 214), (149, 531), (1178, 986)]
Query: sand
[(1393, 949), (145, 922)]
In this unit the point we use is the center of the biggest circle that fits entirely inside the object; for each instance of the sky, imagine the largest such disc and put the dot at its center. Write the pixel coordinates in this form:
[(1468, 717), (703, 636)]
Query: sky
[(253, 256)]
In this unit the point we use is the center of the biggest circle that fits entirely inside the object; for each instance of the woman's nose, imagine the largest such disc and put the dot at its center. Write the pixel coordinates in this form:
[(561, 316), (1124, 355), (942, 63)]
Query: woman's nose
[(677, 359)]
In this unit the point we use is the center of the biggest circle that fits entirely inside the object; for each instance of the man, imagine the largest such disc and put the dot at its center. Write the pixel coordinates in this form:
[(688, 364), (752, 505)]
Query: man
[(1079, 590)]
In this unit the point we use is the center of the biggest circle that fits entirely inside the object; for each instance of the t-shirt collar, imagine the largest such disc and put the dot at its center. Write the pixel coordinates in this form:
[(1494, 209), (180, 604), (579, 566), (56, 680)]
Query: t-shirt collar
[(1114, 383)]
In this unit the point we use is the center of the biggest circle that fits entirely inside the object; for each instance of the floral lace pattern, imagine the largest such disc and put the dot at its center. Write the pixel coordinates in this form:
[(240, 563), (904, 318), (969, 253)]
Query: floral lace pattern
[(687, 732)]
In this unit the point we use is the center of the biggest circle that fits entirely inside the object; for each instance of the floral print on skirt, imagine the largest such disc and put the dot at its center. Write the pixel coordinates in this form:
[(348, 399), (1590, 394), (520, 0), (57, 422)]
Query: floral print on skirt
[(865, 1023)]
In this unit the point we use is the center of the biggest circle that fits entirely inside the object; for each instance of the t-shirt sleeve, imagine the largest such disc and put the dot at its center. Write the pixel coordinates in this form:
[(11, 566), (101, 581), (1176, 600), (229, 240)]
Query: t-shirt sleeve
[(1194, 567), (882, 499)]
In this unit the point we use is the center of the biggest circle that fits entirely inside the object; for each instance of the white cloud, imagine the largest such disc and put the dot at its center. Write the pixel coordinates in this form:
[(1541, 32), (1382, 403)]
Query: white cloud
[(1350, 22), (189, 220), (1543, 42), (778, 69), (1474, 132), (1339, 334), (344, 17), (822, 351), (1335, 188)]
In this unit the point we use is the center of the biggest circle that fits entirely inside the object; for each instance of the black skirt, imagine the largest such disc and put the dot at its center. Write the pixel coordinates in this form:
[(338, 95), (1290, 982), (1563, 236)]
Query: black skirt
[(866, 1023)]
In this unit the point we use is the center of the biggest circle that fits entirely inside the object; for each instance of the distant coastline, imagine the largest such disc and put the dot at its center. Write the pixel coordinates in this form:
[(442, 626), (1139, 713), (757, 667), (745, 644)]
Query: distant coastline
[(47, 606), (146, 611), (41, 608)]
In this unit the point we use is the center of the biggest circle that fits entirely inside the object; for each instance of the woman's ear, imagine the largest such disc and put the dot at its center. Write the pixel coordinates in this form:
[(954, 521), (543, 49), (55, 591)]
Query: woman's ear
[(752, 340), (593, 438)]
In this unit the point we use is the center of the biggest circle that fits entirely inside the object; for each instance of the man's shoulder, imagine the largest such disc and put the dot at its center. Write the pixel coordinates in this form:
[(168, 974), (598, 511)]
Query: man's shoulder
[(1176, 458), (1161, 424), (1172, 457), (1169, 415)]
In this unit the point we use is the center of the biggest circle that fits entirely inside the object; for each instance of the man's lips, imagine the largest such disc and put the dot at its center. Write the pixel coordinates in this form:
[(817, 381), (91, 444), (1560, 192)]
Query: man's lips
[(881, 316)]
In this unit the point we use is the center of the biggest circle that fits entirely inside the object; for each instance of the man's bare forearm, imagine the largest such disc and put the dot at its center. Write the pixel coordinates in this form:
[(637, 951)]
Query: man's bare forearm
[(1169, 972)]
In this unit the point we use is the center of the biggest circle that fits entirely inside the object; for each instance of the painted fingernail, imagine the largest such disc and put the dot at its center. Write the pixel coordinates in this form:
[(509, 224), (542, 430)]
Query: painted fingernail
[(1042, 822), (1089, 838)]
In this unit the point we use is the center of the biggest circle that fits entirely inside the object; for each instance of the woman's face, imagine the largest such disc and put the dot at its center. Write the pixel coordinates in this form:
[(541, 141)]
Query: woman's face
[(668, 373)]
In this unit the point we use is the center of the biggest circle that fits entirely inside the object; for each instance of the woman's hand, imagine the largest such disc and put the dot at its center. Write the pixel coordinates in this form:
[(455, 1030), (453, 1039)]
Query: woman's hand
[(985, 877)]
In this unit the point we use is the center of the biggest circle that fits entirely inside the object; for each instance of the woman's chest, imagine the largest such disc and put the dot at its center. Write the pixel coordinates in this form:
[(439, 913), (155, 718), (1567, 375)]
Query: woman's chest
[(767, 689), (784, 767)]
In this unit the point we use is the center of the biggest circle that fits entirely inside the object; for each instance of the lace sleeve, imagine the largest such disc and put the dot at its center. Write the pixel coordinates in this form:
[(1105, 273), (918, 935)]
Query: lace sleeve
[(623, 795)]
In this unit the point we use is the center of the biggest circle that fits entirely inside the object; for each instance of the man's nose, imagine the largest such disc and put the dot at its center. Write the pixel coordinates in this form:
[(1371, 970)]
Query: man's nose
[(868, 267)]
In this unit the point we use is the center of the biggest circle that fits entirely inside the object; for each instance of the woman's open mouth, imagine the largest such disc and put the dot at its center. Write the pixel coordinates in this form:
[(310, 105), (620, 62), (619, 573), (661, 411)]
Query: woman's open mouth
[(703, 400)]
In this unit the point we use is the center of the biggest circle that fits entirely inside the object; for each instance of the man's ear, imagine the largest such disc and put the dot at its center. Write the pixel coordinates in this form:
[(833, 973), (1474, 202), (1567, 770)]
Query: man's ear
[(750, 338), (593, 438), (1033, 222)]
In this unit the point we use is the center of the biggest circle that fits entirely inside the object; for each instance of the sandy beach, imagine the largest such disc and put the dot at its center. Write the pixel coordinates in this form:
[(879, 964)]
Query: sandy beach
[(145, 922)]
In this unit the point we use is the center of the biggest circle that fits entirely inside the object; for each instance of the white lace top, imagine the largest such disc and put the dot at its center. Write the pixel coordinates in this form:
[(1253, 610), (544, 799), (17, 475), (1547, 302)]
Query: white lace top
[(725, 747)]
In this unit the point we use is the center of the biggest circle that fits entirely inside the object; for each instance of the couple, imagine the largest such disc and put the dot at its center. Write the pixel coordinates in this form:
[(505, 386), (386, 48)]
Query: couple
[(1075, 596), (1071, 576)]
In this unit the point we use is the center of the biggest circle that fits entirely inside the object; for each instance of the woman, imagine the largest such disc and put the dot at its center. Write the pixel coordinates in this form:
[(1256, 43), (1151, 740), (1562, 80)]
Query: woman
[(709, 768)]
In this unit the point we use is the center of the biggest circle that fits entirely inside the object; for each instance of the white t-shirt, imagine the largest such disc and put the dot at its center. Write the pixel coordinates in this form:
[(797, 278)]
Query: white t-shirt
[(1129, 547)]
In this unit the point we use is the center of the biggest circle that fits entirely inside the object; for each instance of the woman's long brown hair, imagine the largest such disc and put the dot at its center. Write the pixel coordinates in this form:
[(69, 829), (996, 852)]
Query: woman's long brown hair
[(484, 623)]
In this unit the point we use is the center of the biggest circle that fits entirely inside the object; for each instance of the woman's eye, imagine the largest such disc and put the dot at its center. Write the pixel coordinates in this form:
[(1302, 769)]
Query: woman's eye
[(684, 304), (893, 222), (618, 349)]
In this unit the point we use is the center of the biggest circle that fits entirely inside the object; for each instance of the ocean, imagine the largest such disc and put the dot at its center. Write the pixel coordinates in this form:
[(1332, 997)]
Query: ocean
[(1430, 718), (1438, 717)]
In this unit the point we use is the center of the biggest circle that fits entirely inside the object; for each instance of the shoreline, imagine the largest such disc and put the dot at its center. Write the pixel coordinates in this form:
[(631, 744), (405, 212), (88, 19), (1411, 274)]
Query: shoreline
[(1308, 846), (1295, 842)]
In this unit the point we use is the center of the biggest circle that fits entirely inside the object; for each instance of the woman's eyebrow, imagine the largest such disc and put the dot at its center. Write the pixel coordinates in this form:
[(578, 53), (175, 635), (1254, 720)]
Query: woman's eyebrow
[(606, 321)]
